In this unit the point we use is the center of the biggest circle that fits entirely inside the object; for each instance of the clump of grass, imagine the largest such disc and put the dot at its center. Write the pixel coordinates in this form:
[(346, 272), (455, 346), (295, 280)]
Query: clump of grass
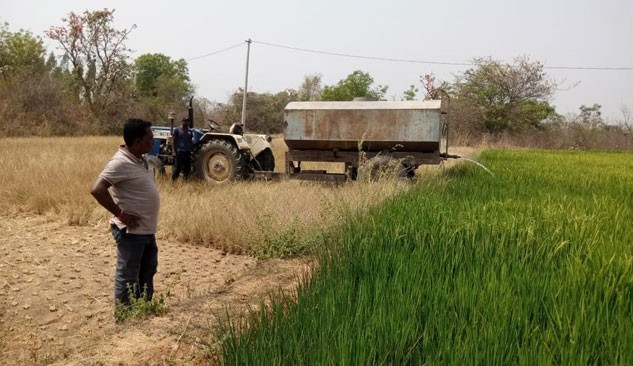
[(139, 307)]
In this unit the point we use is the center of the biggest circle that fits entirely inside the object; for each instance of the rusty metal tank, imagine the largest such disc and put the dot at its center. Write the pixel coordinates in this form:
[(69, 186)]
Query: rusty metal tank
[(373, 125)]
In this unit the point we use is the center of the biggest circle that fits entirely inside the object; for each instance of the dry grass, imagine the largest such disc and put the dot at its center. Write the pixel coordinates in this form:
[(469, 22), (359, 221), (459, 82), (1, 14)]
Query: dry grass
[(53, 176)]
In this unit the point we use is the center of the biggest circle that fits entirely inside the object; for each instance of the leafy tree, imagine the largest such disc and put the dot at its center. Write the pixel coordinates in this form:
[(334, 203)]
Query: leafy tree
[(310, 88), (31, 98), (356, 84), (157, 75), (506, 97), (163, 84), (97, 56), (591, 117), (264, 111), (410, 93), (59, 71), (535, 114), (19, 51), (587, 128)]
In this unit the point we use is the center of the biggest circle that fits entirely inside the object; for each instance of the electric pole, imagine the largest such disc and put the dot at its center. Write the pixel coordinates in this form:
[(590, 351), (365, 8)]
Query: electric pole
[(248, 52)]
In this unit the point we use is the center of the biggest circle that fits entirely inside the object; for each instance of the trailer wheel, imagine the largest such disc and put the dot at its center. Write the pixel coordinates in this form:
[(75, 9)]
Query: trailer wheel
[(407, 170), (218, 162), (156, 166), (385, 167), (352, 172)]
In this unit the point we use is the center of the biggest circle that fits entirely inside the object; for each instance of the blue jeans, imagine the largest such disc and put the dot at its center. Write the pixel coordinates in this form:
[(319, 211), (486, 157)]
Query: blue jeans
[(136, 263)]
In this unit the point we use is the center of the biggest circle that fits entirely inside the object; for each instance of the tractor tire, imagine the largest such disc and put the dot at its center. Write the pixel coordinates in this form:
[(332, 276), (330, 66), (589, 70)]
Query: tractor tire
[(156, 166), (218, 162), (265, 161)]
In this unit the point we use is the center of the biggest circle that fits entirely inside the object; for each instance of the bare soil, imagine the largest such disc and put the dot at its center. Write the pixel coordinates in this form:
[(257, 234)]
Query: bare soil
[(56, 297)]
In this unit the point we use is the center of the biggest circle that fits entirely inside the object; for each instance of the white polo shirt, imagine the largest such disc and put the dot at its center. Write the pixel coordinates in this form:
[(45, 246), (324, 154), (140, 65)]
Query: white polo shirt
[(133, 190)]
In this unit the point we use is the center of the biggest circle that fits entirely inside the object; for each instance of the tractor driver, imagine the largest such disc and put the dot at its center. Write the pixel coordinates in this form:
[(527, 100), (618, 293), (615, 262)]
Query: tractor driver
[(183, 142)]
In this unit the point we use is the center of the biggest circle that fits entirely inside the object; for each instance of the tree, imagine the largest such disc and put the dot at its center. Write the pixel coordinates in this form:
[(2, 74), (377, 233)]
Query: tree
[(627, 118), (588, 130), (356, 84), (31, 97), (264, 111), (506, 97), (157, 75), (163, 84), (97, 55), (591, 117), (410, 93), (19, 51), (432, 90), (310, 88)]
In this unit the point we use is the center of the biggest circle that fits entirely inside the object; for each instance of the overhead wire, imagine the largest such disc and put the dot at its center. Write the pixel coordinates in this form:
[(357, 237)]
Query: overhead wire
[(404, 60), (363, 57), (216, 52)]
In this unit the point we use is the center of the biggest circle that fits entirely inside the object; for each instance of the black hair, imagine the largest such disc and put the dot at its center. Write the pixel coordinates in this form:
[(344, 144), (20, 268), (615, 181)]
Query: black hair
[(133, 129)]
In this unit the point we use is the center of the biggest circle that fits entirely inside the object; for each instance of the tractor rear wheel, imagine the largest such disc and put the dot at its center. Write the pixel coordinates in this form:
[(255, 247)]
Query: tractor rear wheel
[(218, 162)]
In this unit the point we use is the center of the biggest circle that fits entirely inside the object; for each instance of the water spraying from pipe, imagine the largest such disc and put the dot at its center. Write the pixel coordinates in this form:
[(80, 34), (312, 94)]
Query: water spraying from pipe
[(452, 156), (479, 164)]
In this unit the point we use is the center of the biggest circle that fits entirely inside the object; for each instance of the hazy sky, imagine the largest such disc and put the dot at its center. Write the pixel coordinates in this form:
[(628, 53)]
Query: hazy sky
[(559, 33)]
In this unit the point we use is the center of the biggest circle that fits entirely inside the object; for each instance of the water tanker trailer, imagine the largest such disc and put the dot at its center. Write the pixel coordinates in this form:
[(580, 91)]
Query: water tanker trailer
[(348, 132)]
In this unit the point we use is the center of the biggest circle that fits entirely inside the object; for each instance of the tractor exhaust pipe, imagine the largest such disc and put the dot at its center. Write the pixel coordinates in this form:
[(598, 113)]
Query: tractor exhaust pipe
[(190, 112)]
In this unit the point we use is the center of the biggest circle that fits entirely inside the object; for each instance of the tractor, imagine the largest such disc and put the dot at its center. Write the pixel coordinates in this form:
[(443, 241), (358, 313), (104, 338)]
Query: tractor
[(216, 157)]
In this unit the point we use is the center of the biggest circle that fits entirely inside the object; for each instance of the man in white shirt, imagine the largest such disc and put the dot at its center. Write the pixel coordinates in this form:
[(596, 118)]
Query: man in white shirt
[(127, 189)]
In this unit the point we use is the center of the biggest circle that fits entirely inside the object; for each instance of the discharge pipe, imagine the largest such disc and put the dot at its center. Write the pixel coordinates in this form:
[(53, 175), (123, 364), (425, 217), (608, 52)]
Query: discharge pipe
[(449, 156)]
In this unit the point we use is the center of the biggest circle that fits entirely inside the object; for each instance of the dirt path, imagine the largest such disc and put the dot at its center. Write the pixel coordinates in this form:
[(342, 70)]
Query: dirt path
[(56, 293)]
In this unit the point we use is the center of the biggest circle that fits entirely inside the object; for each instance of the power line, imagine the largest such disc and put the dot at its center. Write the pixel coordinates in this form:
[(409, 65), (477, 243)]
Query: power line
[(216, 52), (405, 60), (364, 57), (437, 62), (589, 68)]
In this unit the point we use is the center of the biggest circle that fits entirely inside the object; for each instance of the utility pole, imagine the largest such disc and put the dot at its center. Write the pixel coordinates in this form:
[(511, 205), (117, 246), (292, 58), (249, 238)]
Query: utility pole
[(248, 52)]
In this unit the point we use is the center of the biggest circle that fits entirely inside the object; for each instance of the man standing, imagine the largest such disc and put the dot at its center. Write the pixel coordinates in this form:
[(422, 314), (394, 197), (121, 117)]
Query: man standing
[(183, 141), (126, 188)]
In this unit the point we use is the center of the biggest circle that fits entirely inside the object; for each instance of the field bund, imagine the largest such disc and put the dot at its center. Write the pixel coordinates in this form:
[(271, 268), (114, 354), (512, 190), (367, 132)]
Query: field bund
[(531, 265)]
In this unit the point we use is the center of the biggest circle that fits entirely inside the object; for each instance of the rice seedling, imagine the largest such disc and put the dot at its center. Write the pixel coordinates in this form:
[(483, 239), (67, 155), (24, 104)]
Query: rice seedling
[(530, 266)]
